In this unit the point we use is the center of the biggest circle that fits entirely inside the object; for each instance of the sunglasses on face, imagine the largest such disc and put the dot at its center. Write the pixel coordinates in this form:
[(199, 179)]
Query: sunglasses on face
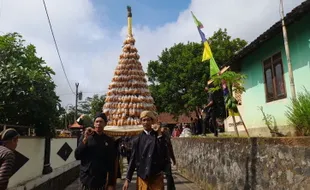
[(147, 119)]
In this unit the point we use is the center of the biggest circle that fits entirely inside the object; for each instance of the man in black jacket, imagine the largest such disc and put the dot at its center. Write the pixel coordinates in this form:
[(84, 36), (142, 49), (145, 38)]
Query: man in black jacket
[(209, 122), (149, 156), (168, 170), (97, 153)]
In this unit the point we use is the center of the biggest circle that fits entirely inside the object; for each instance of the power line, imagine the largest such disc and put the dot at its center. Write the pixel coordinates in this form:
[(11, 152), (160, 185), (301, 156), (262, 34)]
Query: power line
[(102, 92), (51, 28)]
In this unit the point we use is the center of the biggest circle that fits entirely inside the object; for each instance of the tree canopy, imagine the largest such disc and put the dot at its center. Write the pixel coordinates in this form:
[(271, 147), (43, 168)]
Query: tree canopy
[(89, 107), (177, 79), (92, 105), (27, 95)]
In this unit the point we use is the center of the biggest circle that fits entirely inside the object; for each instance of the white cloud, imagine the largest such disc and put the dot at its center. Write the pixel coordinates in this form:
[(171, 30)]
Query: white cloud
[(90, 52), (242, 18)]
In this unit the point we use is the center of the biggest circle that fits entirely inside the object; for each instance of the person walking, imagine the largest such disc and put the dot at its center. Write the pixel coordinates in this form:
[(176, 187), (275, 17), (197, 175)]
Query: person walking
[(97, 153), (209, 122), (149, 156), (9, 141), (168, 170)]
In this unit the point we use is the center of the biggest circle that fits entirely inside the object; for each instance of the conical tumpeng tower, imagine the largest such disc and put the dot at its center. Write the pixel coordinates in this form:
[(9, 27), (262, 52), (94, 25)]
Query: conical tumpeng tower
[(128, 93)]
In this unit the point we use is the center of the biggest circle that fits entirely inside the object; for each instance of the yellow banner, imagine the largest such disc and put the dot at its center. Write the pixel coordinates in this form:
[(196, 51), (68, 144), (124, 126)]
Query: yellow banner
[(207, 53)]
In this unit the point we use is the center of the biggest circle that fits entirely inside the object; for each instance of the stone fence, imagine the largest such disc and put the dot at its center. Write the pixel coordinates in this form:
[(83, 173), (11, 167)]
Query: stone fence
[(245, 163)]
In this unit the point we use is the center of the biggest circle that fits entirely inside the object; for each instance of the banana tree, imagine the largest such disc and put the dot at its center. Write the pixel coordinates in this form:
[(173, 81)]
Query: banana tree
[(231, 83)]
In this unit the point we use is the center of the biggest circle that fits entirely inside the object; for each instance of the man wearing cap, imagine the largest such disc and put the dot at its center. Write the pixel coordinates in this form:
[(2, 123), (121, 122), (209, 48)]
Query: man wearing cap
[(149, 156), (97, 153), (9, 140)]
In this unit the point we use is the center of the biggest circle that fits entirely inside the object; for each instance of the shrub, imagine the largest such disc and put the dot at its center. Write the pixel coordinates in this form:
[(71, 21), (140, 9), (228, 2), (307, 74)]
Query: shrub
[(298, 113)]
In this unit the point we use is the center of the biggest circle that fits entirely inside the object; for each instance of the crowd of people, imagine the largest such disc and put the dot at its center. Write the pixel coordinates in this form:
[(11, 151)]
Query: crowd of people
[(150, 154), (208, 120)]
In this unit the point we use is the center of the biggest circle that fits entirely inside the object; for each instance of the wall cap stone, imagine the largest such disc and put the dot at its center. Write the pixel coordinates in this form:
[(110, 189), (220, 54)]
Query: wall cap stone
[(286, 141), (44, 178)]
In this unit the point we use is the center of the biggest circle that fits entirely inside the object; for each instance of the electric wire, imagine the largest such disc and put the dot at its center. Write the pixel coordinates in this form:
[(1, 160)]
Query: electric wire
[(57, 49)]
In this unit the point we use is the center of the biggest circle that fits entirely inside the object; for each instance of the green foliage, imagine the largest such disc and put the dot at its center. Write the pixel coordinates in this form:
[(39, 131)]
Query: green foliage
[(269, 121), (298, 113), (178, 77), (27, 95), (88, 121), (223, 47), (235, 83), (231, 103), (92, 105), (89, 107)]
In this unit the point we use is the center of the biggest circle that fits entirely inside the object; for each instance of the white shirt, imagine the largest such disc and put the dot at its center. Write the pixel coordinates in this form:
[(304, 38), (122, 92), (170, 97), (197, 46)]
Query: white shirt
[(147, 132)]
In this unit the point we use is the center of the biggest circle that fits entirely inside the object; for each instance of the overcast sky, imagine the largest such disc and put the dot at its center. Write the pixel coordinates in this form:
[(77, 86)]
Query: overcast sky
[(90, 32)]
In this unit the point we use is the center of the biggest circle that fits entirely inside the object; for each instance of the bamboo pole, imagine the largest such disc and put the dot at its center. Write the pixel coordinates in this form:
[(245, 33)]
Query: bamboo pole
[(245, 128), (287, 52), (235, 125)]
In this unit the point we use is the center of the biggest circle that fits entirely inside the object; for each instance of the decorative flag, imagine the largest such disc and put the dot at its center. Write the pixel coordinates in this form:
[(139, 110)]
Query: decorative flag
[(197, 22), (207, 53), (214, 69)]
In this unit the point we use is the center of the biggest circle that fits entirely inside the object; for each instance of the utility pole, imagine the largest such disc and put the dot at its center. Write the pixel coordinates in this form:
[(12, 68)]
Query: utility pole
[(287, 52), (76, 99), (66, 125)]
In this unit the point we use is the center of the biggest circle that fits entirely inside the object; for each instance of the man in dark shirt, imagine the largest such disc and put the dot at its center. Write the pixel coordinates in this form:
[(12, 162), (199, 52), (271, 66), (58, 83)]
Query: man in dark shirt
[(149, 156), (209, 122), (97, 153), (168, 170)]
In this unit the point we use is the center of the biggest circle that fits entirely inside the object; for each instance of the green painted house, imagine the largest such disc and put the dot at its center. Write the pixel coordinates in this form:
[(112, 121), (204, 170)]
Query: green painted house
[(265, 64)]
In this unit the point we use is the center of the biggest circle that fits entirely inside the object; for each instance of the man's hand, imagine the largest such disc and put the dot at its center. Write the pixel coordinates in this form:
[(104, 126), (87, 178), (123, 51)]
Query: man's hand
[(126, 185), (88, 132)]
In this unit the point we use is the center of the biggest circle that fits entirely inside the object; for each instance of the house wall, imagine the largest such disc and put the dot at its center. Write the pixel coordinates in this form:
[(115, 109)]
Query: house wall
[(30, 174), (299, 43)]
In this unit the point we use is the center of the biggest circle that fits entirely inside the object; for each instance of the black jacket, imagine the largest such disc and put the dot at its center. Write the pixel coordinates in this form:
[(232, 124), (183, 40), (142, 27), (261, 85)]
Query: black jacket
[(98, 158), (170, 148), (149, 155)]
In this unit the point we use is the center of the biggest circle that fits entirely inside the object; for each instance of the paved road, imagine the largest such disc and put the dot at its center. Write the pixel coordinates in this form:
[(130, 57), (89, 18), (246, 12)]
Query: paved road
[(180, 182)]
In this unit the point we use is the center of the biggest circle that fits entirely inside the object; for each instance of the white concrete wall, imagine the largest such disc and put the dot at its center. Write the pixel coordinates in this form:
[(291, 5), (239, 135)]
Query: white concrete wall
[(32, 148), (56, 144)]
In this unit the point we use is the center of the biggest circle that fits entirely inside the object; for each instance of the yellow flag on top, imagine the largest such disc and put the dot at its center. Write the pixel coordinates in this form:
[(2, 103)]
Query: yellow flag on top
[(207, 53)]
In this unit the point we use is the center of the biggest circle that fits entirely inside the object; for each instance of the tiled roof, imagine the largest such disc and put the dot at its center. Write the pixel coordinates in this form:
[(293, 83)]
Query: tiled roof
[(169, 119), (296, 14), (76, 126)]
